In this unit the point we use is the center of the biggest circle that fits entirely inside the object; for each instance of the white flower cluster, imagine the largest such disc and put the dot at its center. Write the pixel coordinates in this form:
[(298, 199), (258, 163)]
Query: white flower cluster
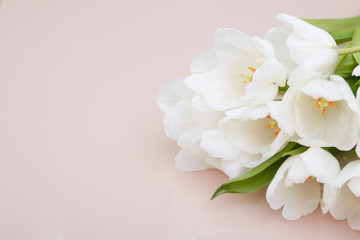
[(229, 114)]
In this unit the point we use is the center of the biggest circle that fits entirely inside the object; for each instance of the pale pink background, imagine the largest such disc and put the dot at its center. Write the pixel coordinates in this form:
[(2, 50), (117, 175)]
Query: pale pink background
[(83, 154)]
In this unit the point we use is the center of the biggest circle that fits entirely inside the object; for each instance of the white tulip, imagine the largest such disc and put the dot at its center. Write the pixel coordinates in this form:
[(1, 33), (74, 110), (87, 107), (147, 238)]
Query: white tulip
[(250, 137), (303, 47), (347, 200), (296, 185), (239, 73), (246, 72), (322, 113)]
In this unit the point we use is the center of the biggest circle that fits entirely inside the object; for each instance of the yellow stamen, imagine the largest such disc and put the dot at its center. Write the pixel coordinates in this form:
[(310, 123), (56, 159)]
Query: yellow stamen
[(322, 104), (252, 69), (273, 124), (312, 177), (323, 112), (276, 132), (248, 77)]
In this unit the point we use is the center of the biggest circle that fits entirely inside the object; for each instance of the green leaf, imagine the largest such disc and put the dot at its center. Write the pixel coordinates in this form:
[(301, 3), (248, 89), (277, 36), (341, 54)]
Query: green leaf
[(341, 57), (257, 177), (342, 37), (341, 29), (354, 83), (346, 66), (356, 42), (347, 63)]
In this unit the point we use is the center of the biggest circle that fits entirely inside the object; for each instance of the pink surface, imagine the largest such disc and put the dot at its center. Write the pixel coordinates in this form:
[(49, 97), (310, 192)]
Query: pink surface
[(83, 154)]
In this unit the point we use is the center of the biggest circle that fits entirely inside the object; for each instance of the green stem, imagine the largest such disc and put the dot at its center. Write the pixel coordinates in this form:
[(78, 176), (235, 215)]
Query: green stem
[(350, 50)]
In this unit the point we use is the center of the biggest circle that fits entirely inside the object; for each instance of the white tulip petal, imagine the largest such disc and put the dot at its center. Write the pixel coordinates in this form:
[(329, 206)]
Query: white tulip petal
[(271, 72), (235, 51), (346, 205), (324, 62), (275, 195), (347, 202), (308, 31), (249, 112), (178, 120), (354, 185), (356, 71), (186, 161), (251, 160), (213, 162), (346, 92), (282, 114), (265, 48), (278, 36), (223, 91), (266, 79), (251, 135), (315, 159), (316, 58), (351, 170), (205, 62), (204, 115), (301, 199), (297, 173), (183, 91), (329, 197), (196, 80), (217, 145), (301, 75), (322, 88), (279, 176), (309, 122), (279, 143), (260, 94), (191, 141), (354, 222), (167, 96), (234, 168)]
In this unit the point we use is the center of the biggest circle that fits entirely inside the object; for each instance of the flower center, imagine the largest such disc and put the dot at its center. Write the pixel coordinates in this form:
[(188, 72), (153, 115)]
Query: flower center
[(248, 77), (273, 124), (312, 177), (322, 104)]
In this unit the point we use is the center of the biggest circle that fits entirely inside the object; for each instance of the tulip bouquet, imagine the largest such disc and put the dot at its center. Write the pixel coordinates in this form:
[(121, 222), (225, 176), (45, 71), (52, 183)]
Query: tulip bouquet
[(276, 112)]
